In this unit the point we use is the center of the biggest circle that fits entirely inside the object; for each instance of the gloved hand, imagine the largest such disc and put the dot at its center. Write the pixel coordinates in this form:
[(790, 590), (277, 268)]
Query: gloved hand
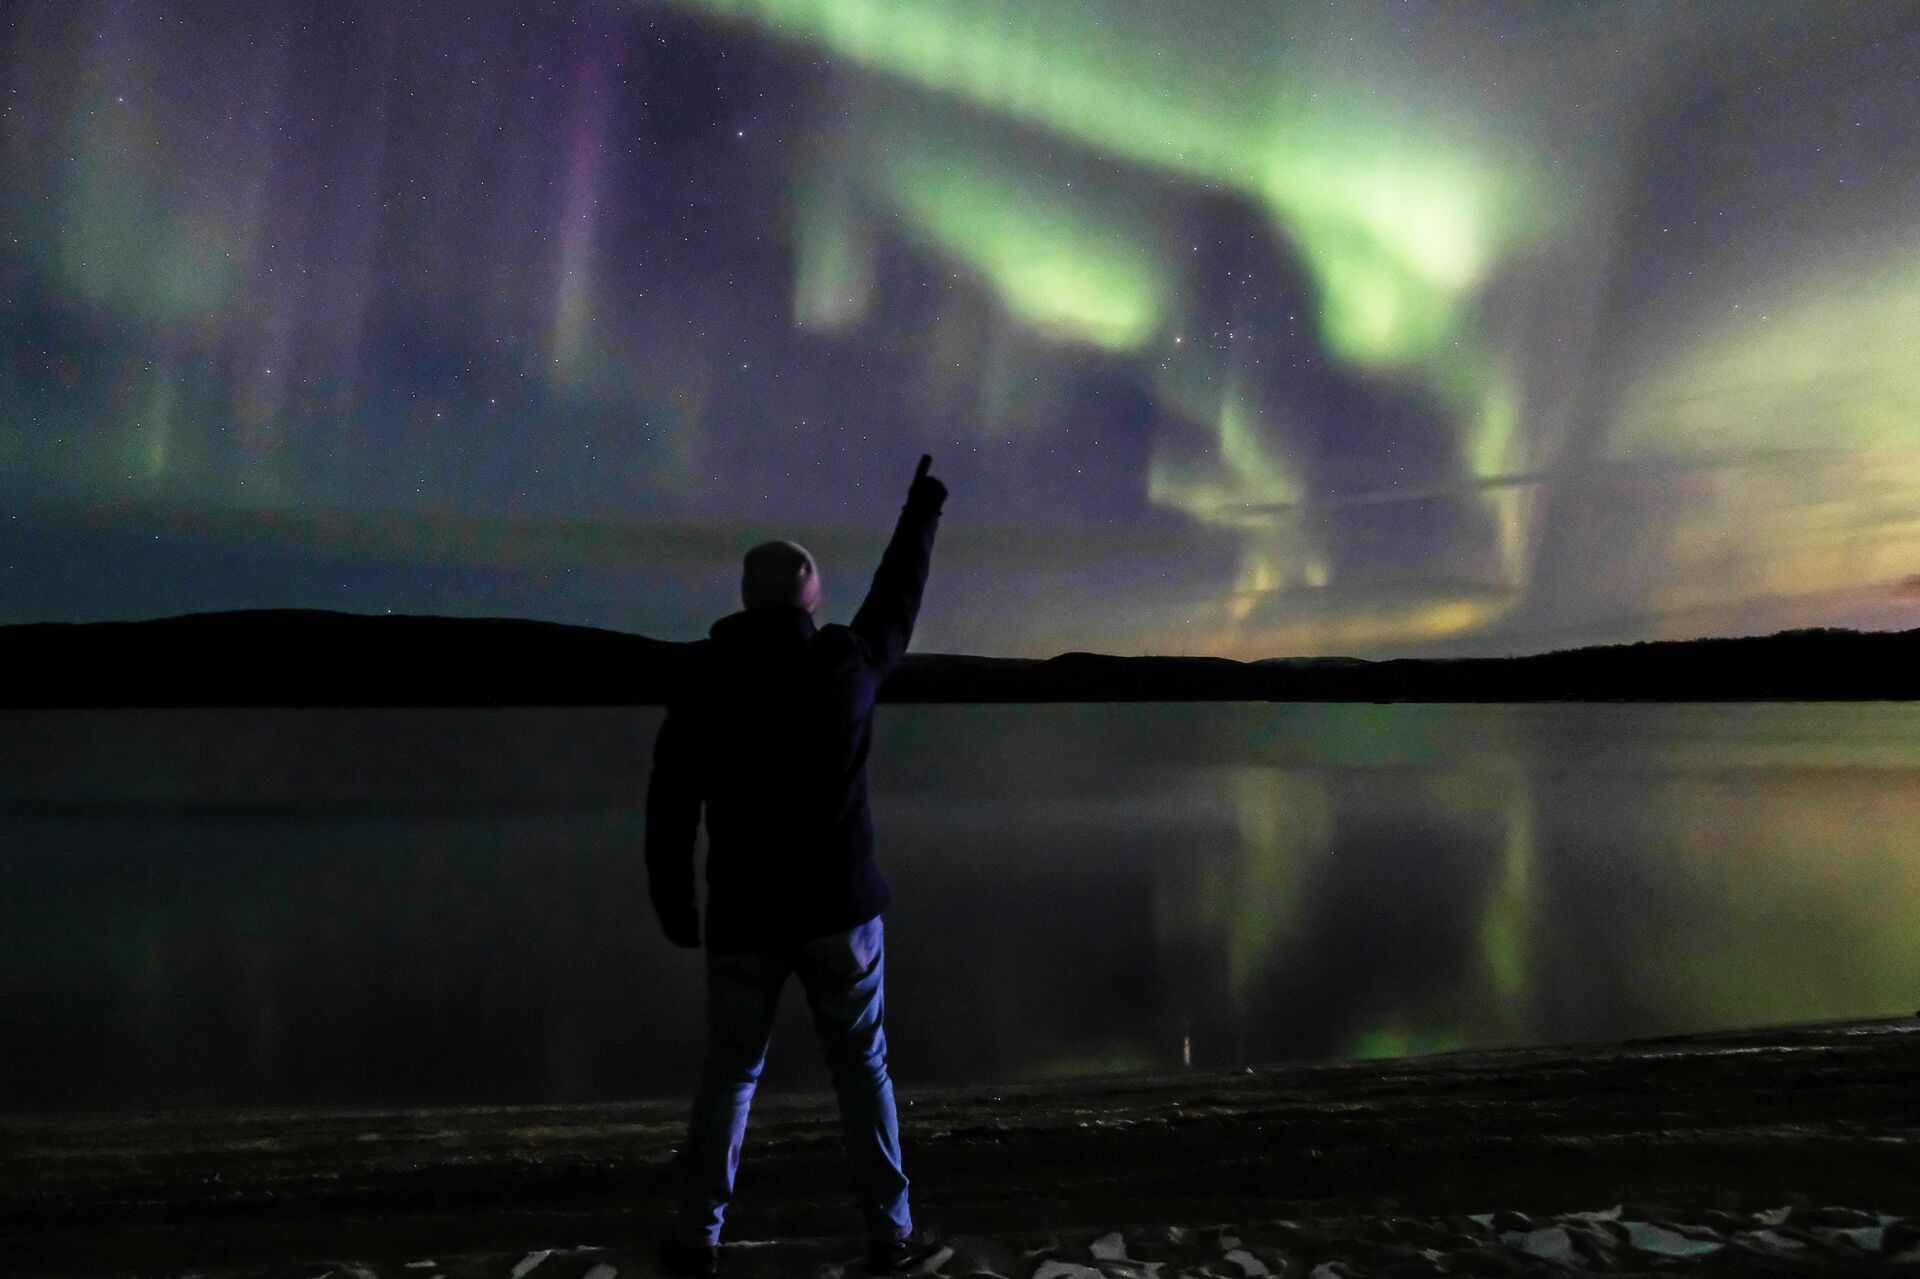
[(682, 926), (925, 490)]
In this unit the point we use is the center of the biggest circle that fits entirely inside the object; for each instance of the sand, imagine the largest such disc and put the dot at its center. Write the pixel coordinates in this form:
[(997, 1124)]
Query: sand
[(1793, 1149)]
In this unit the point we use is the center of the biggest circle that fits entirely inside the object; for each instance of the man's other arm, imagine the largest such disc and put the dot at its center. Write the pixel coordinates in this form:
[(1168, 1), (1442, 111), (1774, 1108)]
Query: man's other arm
[(673, 818), (885, 620)]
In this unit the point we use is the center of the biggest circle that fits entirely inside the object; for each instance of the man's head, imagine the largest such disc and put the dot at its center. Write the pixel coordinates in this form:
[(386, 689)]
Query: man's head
[(780, 574)]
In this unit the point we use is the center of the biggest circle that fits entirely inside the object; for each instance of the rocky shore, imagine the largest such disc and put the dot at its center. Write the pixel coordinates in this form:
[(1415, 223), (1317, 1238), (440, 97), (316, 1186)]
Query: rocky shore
[(1794, 1149)]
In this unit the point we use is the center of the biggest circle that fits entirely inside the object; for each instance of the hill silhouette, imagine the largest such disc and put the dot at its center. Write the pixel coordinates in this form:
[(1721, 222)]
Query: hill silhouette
[(297, 657)]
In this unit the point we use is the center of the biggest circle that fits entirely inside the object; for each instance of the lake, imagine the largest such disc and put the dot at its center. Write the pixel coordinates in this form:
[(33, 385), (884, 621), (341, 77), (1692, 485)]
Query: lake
[(237, 907)]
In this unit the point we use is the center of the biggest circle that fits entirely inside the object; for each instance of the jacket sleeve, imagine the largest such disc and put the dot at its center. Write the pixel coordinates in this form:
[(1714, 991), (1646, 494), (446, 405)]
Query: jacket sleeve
[(885, 620), (673, 814)]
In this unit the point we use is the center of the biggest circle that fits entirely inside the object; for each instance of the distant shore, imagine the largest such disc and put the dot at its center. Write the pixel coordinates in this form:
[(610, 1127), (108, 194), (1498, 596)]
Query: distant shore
[(312, 658), (1515, 1161)]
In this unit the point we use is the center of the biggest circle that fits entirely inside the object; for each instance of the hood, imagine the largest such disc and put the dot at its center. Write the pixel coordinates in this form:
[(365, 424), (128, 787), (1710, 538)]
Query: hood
[(763, 630)]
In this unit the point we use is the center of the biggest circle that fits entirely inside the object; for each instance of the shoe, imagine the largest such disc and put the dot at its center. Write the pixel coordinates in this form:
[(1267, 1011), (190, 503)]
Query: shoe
[(689, 1260), (923, 1249)]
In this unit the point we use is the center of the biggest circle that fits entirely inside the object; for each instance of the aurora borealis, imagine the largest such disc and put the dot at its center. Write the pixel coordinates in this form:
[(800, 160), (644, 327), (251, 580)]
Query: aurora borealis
[(1244, 328)]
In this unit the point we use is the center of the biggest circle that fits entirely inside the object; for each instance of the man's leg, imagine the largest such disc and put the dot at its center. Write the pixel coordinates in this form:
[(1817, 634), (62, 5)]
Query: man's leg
[(844, 976), (743, 992)]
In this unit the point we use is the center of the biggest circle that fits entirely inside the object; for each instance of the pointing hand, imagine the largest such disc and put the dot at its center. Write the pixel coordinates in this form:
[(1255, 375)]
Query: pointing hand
[(925, 489)]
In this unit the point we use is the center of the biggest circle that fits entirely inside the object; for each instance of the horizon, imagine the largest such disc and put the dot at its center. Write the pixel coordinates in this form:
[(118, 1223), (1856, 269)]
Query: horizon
[(1783, 633)]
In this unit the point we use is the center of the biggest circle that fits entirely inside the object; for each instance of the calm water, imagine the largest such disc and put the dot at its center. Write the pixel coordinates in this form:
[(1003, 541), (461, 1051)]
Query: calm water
[(226, 907)]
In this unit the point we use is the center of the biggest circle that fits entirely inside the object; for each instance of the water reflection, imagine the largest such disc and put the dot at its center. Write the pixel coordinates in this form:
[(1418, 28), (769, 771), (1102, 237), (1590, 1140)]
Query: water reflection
[(398, 906)]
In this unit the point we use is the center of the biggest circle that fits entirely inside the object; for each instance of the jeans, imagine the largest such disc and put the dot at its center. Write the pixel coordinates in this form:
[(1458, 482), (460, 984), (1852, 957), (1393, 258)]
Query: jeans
[(843, 975)]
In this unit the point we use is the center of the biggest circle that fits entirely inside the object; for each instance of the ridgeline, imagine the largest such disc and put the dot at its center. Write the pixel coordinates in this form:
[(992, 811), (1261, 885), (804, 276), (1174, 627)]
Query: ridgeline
[(315, 658)]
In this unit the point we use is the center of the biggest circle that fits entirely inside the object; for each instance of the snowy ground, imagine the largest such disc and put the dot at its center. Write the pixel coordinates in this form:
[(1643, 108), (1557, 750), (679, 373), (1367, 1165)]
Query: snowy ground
[(1622, 1239)]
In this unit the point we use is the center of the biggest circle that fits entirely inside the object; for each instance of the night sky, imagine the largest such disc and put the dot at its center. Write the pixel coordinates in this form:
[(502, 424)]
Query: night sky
[(1235, 327)]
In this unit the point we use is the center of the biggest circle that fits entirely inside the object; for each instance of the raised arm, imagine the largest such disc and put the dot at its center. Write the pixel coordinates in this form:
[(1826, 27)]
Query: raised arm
[(885, 620)]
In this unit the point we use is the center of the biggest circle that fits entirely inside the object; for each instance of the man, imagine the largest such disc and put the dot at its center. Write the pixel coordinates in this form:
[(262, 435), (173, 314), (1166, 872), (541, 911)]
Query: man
[(770, 730)]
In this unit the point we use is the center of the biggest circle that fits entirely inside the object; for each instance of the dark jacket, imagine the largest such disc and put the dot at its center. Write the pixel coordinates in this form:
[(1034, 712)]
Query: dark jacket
[(770, 730)]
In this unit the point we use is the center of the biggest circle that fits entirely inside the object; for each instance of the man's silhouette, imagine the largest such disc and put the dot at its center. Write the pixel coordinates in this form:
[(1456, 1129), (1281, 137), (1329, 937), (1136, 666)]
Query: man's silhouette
[(770, 730)]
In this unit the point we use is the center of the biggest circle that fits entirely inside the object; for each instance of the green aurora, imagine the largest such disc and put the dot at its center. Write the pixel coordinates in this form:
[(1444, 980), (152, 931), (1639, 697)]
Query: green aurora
[(1400, 209)]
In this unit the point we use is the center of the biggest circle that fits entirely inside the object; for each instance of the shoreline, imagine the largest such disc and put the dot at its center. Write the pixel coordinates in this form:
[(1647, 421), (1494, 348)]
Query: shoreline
[(335, 659), (1822, 1118)]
